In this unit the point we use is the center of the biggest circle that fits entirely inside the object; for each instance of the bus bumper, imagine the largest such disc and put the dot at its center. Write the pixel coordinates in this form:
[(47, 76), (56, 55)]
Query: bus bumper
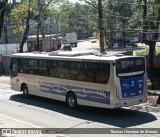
[(129, 102)]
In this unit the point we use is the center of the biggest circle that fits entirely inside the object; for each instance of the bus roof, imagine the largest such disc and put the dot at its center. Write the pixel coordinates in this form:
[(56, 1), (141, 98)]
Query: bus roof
[(70, 55)]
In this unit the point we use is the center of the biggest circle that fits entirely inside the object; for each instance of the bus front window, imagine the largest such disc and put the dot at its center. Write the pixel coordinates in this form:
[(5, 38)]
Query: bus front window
[(14, 66)]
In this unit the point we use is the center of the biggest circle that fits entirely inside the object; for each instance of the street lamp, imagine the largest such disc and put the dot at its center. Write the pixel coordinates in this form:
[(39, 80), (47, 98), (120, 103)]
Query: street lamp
[(100, 23)]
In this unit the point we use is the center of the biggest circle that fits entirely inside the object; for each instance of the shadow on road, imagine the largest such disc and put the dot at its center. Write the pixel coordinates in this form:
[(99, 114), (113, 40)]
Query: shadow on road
[(120, 117)]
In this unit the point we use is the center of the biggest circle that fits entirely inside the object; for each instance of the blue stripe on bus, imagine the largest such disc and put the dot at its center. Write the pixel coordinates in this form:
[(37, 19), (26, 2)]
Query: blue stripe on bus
[(87, 94)]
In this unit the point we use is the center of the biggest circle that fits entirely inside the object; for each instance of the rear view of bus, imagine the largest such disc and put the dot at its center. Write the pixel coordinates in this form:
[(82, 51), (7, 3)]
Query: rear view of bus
[(130, 81)]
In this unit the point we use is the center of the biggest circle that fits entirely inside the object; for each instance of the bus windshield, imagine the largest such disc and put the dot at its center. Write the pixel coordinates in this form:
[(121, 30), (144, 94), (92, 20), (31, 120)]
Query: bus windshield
[(130, 65)]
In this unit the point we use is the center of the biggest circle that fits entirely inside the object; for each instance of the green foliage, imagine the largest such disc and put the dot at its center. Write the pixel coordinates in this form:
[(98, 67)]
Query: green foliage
[(76, 17), (81, 17), (154, 84), (142, 52), (19, 13), (18, 16), (146, 52)]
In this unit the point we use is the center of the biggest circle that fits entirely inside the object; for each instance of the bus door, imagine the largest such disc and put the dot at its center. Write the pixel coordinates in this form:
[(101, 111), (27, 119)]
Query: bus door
[(14, 72), (130, 77)]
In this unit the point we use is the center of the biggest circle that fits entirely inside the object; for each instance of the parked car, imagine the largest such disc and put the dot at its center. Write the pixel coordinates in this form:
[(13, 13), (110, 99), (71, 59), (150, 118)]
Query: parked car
[(53, 48), (67, 47), (131, 44)]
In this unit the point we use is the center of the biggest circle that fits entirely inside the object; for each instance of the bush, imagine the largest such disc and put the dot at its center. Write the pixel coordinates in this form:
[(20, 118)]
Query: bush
[(142, 52), (155, 85), (146, 52)]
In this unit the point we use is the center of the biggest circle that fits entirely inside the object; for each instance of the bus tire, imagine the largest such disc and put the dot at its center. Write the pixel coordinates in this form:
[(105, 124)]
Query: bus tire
[(71, 100), (25, 91)]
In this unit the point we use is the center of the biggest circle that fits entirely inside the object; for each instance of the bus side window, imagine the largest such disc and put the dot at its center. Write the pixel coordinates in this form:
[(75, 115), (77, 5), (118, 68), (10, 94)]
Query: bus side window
[(102, 77), (90, 70), (52, 69), (80, 75), (76, 71), (103, 74), (31, 66), (23, 65), (41, 67), (63, 71), (88, 76)]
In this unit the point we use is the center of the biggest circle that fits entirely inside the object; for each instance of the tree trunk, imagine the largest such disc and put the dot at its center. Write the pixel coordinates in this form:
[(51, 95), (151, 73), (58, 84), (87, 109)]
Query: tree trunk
[(124, 34), (151, 59), (25, 35), (37, 45), (2, 14), (6, 34)]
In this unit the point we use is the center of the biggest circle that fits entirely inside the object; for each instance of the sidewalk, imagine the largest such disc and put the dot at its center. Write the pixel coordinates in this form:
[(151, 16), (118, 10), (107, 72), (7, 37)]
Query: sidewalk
[(5, 80)]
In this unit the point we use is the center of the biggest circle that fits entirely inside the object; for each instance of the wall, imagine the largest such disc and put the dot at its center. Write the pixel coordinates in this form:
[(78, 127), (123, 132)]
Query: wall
[(6, 62), (8, 49)]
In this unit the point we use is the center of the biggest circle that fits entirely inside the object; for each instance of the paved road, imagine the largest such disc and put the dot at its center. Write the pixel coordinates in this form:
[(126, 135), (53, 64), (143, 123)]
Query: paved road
[(45, 113)]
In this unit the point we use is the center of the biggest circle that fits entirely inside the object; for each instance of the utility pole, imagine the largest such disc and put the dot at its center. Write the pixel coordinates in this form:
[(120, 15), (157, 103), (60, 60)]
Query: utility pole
[(41, 4), (101, 28)]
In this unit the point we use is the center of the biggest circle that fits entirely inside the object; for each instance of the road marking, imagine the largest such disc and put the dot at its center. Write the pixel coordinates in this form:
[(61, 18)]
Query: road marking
[(20, 121)]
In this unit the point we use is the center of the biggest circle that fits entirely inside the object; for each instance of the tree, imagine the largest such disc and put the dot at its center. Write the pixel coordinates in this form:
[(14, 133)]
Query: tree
[(151, 22), (77, 17), (19, 15), (20, 18), (2, 15), (25, 35)]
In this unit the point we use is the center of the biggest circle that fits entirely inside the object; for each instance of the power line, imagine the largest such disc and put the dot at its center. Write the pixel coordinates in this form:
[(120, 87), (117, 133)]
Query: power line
[(132, 3)]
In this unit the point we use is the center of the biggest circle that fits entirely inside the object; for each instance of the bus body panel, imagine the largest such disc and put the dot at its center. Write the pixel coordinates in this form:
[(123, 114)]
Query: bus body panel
[(88, 93), (57, 89), (130, 101), (94, 104), (15, 84)]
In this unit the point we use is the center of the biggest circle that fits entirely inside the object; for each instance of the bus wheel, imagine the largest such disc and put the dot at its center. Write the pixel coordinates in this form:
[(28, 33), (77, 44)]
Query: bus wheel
[(71, 100), (25, 91)]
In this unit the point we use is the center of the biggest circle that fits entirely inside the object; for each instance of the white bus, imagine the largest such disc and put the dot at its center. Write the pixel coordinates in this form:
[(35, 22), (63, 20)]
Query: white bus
[(81, 78)]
